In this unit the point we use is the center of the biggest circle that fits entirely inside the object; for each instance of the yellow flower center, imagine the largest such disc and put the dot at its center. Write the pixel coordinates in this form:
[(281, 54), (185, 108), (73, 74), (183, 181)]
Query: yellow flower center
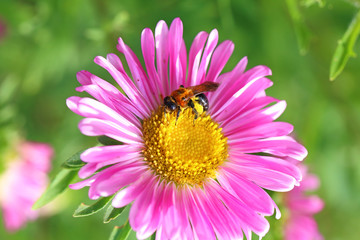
[(185, 151)]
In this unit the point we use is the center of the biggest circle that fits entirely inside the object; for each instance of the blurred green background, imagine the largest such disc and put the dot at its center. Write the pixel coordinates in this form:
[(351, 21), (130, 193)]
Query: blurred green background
[(46, 42)]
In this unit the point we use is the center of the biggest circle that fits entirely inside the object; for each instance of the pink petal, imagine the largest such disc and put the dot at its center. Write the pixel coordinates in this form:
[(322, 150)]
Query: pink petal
[(241, 98), (251, 119), (225, 83), (147, 216), (265, 178), (171, 223), (236, 79), (125, 83), (13, 218), (208, 51), (186, 230), (88, 107), (175, 223), (248, 192), (302, 228), (162, 55), (138, 74), (168, 196), (201, 226), (142, 209), (97, 93), (221, 56), (98, 127), (183, 62), (109, 95), (277, 210), (116, 62), (148, 50), (104, 153), (87, 170), (257, 104), (120, 77), (130, 193), (195, 56), (219, 216), (84, 77), (272, 129), (177, 75), (37, 156), (271, 163), (254, 110), (84, 183), (90, 168), (254, 221), (114, 178), (279, 146), (306, 205), (309, 183), (121, 102)]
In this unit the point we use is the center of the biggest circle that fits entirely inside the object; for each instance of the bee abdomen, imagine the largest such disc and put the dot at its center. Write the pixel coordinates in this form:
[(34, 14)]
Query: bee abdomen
[(203, 101)]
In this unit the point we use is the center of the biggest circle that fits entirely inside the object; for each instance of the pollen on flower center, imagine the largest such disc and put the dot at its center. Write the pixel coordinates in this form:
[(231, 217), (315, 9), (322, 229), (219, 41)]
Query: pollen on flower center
[(183, 151)]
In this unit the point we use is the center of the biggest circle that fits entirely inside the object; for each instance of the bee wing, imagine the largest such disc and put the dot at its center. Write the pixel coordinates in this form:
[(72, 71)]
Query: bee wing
[(204, 87)]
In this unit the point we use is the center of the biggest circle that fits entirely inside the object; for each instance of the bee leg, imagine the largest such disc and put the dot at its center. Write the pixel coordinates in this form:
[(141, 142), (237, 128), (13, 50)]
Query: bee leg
[(196, 115), (177, 114), (191, 104)]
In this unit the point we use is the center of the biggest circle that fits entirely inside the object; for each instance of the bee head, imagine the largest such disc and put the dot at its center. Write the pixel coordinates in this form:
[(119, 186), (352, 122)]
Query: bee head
[(170, 104)]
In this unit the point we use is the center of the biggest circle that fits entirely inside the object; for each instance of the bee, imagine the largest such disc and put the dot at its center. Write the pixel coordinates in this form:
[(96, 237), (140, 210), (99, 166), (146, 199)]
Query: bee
[(183, 98)]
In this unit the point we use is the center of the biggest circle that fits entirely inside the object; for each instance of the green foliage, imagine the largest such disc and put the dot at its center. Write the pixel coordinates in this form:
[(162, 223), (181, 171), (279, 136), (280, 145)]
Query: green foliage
[(120, 233), (301, 31), (74, 162), (345, 48), (86, 210), (61, 180), (58, 185), (112, 213), (104, 140), (8, 89), (309, 3)]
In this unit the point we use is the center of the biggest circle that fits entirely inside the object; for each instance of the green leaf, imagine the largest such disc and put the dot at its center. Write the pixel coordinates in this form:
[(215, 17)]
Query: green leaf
[(112, 213), (344, 49), (74, 162), (8, 114), (104, 140), (8, 89), (309, 3), (85, 210), (57, 186), (120, 233), (301, 31)]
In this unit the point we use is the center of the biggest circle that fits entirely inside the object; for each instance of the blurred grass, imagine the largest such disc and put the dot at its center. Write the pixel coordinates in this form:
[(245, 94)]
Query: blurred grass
[(47, 42)]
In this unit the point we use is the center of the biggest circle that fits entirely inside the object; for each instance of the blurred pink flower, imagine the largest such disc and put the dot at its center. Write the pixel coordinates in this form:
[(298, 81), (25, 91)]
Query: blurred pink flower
[(22, 183), (186, 178), (300, 224)]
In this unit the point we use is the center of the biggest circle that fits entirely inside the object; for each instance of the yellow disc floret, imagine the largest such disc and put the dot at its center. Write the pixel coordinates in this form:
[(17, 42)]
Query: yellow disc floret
[(184, 151)]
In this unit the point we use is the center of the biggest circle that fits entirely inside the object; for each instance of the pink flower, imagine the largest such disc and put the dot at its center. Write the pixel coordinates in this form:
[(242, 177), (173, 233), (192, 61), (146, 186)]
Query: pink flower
[(301, 224), (22, 183), (186, 178)]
